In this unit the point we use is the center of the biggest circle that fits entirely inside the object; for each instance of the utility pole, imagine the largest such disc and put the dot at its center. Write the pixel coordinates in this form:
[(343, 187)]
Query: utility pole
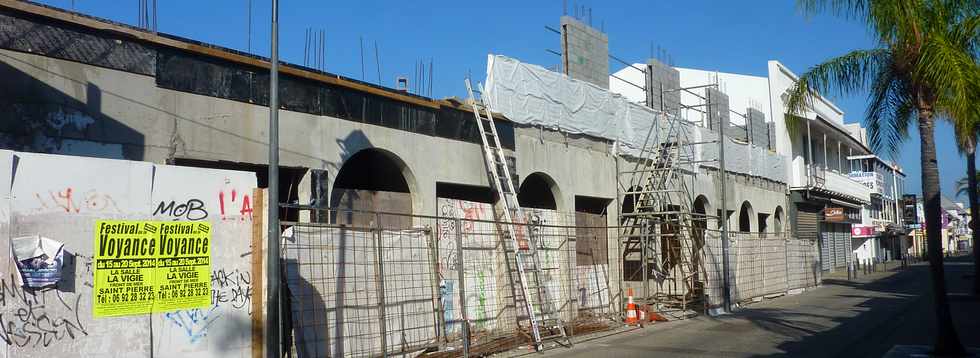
[(725, 264), (273, 341)]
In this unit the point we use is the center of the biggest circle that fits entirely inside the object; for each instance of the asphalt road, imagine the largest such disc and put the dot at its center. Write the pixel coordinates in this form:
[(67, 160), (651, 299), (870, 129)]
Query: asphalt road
[(861, 318)]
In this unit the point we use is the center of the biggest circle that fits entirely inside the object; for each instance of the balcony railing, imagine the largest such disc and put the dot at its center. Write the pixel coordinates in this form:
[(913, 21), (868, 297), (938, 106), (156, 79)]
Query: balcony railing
[(821, 178)]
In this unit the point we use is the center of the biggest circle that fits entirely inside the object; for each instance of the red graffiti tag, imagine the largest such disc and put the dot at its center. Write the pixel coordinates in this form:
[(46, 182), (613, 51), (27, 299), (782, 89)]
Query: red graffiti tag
[(245, 211)]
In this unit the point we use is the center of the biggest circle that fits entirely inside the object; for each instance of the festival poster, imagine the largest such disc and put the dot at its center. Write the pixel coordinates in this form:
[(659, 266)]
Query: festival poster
[(183, 270), (125, 265), (151, 266)]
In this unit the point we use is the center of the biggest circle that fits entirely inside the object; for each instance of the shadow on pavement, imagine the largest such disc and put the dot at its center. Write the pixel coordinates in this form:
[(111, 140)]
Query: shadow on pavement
[(896, 310)]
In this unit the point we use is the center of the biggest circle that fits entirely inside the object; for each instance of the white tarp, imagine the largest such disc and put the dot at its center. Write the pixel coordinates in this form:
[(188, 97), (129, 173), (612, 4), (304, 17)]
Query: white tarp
[(532, 95)]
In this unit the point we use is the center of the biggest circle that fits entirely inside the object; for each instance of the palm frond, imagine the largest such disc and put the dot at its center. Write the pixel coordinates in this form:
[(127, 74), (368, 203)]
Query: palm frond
[(890, 110), (963, 185), (843, 75)]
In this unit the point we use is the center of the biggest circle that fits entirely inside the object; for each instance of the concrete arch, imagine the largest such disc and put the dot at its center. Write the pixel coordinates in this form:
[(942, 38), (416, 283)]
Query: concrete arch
[(746, 217), (377, 169), (701, 222), (540, 190), (702, 205), (778, 220)]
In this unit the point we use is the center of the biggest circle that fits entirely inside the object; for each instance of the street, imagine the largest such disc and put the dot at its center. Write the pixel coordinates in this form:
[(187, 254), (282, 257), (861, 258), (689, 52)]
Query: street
[(864, 317)]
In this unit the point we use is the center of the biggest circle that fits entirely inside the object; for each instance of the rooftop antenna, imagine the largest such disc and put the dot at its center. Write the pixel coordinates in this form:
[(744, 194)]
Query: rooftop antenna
[(154, 16), (431, 65), (306, 48), (564, 7), (361, 38), (249, 26), (590, 16), (377, 60)]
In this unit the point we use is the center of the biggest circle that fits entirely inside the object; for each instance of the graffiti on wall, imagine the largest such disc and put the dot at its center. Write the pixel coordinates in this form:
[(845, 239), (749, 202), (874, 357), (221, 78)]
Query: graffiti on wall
[(69, 200), (194, 322), (232, 288), (477, 264), (38, 318)]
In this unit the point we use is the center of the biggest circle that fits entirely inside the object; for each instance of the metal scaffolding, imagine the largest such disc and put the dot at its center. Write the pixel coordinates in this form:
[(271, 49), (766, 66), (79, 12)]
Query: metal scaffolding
[(662, 238)]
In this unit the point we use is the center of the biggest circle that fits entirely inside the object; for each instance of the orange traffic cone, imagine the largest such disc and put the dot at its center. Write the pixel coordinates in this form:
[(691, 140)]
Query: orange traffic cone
[(631, 317)]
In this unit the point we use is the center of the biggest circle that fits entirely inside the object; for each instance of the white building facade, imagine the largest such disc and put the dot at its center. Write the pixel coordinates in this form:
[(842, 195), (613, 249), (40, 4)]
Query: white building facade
[(836, 184)]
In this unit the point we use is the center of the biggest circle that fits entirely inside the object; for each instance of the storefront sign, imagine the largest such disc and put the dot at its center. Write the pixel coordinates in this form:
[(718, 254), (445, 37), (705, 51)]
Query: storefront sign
[(862, 231), (151, 266), (834, 214), (910, 214)]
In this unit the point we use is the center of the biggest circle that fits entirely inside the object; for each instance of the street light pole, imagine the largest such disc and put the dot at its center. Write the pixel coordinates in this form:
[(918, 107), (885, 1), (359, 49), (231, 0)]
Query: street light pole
[(273, 341), (722, 178)]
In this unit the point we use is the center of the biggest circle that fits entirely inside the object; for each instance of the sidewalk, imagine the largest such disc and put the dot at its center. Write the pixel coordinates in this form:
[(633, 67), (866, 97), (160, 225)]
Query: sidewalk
[(864, 317)]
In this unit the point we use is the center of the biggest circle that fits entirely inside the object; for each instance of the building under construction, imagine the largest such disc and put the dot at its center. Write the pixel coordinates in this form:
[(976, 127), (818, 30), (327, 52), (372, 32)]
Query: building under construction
[(522, 215)]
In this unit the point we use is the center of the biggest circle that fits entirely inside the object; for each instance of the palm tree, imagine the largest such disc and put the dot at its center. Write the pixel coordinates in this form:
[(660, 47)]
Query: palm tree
[(923, 68), (968, 185)]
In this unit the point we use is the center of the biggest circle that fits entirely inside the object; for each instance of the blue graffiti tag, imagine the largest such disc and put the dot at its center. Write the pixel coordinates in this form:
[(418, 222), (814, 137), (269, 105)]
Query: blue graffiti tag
[(194, 322)]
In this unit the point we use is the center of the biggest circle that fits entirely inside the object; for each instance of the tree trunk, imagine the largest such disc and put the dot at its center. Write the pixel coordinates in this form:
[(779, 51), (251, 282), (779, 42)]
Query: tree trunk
[(947, 341), (971, 178)]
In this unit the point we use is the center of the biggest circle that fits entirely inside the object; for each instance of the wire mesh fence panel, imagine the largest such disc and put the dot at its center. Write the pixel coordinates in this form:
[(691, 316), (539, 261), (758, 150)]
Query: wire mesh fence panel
[(591, 271), (760, 265), (410, 290), (395, 284), (330, 276), (775, 271), (555, 248), (713, 266)]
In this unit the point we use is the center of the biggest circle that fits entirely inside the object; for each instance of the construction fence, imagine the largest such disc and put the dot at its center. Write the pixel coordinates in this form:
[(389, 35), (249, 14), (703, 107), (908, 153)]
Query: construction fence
[(395, 284), (760, 265)]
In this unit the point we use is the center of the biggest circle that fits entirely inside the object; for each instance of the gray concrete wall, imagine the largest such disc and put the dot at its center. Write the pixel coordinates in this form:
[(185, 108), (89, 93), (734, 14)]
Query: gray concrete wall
[(134, 119), (585, 52), (661, 77), (718, 108)]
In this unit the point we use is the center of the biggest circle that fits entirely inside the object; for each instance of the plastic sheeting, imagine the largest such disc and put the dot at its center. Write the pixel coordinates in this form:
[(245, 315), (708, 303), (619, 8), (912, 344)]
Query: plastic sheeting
[(532, 95)]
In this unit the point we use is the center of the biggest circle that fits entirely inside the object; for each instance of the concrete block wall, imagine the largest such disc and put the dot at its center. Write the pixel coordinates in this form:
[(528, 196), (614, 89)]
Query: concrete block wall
[(663, 77), (718, 108), (758, 128), (585, 52), (772, 135)]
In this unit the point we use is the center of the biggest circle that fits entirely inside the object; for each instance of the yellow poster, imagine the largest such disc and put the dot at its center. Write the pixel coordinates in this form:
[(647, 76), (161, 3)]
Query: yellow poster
[(151, 266), (125, 263), (183, 266)]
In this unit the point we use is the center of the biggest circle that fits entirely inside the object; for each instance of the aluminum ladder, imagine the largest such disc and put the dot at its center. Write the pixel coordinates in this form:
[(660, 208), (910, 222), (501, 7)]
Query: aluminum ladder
[(521, 239)]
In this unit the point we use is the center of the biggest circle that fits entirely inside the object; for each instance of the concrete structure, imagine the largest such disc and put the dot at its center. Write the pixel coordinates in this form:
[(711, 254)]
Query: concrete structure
[(585, 52), (816, 150), (166, 100)]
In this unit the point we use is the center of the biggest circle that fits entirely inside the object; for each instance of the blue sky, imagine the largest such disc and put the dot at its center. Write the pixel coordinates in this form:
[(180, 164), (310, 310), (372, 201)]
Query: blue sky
[(726, 36)]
